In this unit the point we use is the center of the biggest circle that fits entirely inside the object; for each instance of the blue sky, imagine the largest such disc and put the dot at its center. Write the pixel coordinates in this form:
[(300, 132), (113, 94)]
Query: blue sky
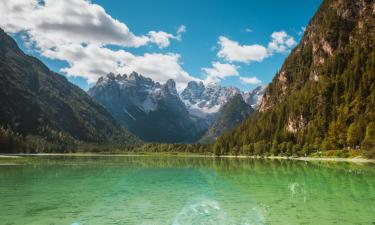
[(243, 22)]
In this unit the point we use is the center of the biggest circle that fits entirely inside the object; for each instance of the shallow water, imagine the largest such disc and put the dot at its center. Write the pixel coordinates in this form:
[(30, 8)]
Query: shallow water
[(182, 190)]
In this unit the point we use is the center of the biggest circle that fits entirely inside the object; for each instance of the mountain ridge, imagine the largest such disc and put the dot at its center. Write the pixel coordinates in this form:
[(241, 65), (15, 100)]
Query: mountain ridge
[(151, 110), (230, 115), (45, 107), (137, 102)]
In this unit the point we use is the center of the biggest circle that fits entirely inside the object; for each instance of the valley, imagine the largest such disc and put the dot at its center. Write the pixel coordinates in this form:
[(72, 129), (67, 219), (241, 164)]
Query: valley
[(321, 100)]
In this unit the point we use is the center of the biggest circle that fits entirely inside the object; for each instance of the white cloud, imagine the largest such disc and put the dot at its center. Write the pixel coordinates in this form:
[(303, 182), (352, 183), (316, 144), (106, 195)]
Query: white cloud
[(219, 71), (232, 51), (92, 62), (281, 42), (161, 38), (248, 30), (181, 29), (78, 31), (67, 22), (250, 80)]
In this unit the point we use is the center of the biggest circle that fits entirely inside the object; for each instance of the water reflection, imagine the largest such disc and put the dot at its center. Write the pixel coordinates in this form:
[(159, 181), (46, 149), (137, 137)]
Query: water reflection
[(185, 190)]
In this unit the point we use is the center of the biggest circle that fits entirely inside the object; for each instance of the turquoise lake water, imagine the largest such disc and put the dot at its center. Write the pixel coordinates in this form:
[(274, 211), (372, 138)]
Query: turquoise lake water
[(184, 190)]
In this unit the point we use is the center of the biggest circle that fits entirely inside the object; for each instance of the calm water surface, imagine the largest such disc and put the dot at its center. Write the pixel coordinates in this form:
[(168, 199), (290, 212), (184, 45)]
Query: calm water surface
[(182, 190)]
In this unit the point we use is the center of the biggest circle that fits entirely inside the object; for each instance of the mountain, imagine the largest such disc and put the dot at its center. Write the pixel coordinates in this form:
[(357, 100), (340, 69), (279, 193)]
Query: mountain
[(203, 101), (254, 97), (235, 111), (323, 97), (220, 108), (157, 113), (46, 110), (152, 111)]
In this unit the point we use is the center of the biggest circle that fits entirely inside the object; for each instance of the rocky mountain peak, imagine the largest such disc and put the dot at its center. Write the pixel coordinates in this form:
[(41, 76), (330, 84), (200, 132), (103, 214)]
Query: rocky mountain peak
[(202, 100), (195, 85), (193, 91), (170, 87), (151, 110), (139, 102), (136, 77), (254, 97)]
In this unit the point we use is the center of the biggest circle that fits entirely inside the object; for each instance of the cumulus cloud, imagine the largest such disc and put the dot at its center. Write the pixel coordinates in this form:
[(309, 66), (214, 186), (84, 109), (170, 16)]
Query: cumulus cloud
[(281, 42), (250, 80), (78, 31), (72, 22), (219, 71), (161, 38), (92, 62), (232, 51)]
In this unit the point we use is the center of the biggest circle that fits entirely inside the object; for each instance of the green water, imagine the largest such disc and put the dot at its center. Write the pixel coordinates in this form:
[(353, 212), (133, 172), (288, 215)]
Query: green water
[(183, 190)]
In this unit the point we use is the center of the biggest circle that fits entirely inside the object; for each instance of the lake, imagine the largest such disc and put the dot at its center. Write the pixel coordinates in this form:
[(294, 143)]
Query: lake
[(79, 190)]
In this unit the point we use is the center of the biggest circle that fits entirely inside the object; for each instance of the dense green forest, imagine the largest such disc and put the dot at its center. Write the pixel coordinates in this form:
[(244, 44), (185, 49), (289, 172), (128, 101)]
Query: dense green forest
[(323, 98), (59, 142)]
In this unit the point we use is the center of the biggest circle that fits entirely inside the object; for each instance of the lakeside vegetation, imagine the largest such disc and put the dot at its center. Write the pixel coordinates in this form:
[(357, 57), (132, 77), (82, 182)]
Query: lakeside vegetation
[(12, 142), (57, 142)]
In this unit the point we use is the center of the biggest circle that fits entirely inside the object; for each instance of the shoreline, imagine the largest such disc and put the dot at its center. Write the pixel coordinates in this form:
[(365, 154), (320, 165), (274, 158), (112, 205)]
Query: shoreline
[(307, 159)]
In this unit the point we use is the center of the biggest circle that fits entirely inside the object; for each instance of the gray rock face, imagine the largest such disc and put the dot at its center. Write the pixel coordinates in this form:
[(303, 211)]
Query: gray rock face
[(193, 92), (157, 112), (203, 100), (152, 111), (254, 97)]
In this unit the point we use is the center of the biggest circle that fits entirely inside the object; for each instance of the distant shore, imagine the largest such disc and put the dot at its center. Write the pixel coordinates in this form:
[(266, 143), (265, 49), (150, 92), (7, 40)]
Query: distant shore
[(353, 160), (166, 154)]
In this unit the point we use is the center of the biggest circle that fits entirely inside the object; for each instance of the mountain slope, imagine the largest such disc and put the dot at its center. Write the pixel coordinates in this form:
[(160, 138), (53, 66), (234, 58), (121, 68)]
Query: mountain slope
[(157, 113), (229, 116), (203, 100), (151, 110), (41, 104), (323, 97), (205, 103)]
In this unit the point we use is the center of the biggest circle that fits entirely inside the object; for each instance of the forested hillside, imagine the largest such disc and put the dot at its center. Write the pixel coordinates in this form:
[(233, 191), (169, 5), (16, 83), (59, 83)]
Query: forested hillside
[(323, 97), (41, 111), (229, 117)]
